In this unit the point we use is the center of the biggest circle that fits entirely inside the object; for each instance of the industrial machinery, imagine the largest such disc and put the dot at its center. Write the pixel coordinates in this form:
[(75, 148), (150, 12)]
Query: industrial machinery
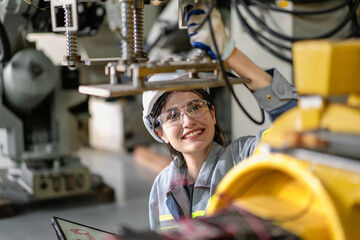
[(38, 130), (133, 64), (305, 175), (300, 178), (38, 100)]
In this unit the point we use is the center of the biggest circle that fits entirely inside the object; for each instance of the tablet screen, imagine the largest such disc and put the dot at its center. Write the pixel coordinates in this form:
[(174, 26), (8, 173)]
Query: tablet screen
[(68, 230)]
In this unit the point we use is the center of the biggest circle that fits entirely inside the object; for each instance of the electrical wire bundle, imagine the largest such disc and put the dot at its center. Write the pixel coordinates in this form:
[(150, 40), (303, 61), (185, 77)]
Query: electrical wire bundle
[(272, 45), (268, 43)]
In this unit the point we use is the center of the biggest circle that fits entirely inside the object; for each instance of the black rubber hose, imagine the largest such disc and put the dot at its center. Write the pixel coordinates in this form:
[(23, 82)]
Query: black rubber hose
[(355, 23), (227, 80), (252, 34), (295, 12), (291, 39)]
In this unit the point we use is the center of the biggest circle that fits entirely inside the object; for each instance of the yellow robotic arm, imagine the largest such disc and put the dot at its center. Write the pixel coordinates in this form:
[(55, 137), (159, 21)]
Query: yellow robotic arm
[(305, 175)]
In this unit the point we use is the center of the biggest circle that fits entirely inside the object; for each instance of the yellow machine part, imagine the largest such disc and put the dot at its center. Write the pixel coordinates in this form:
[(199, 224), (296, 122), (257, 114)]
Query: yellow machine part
[(312, 200), (325, 67), (307, 199), (334, 117), (354, 100), (341, 118), (296, 120)]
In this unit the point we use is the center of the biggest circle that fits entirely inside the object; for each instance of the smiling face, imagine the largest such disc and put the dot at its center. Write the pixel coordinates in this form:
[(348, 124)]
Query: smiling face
[(191, 135)]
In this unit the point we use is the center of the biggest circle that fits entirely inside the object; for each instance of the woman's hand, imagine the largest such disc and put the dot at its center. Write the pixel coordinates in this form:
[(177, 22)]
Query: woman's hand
[(202, 37), (236, 59)]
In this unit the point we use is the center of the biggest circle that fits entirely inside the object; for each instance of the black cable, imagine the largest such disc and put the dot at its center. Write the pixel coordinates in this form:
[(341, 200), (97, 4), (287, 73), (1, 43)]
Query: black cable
[(295, 12), (354, 20), (207, 16), (273, 42), (227, 80), (255, 35), (252, 34), (293, 39)]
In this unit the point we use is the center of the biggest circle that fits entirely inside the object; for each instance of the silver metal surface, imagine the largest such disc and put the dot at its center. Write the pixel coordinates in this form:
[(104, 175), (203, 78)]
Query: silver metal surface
[(201, 73), (118, 90)]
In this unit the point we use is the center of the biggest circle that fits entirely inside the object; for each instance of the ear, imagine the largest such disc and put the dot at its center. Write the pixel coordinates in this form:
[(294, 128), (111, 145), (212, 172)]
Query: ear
[(162, 135)]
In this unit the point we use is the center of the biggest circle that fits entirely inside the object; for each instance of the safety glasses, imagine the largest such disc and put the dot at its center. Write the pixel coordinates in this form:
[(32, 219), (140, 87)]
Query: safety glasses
[(174, 116)]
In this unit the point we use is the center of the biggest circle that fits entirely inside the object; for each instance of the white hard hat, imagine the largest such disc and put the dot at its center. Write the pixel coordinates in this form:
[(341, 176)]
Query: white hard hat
[(149, 99)]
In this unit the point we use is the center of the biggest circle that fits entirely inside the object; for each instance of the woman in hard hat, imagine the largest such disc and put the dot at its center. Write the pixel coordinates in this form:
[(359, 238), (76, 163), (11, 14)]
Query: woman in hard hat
[(185, 121)]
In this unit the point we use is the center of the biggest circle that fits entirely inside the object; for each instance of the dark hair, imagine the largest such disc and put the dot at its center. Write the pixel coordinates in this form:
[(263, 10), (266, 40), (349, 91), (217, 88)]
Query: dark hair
[(219, 136)]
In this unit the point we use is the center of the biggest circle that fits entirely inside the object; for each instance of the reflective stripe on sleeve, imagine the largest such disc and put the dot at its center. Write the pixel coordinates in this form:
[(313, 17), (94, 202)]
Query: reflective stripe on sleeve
[(197, 214), (164, 228), (165, 217), (167, 221)]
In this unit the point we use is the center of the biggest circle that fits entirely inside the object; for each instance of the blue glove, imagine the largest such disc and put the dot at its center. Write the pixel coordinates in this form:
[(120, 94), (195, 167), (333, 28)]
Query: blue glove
[(202, 38)]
